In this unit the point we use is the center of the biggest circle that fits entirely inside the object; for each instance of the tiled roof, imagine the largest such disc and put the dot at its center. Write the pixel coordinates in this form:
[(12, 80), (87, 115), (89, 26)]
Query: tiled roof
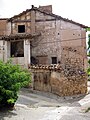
[(51, 14), (3, 18), (19, 36)]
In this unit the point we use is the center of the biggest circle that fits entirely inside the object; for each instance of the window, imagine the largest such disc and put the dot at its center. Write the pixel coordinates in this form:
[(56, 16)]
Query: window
[(54, 60), (17, 49), (21, 28)]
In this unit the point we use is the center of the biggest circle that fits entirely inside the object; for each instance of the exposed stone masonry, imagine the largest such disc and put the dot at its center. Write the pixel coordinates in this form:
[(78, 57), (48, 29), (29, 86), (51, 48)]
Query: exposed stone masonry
[(46, 39), (63, 80)]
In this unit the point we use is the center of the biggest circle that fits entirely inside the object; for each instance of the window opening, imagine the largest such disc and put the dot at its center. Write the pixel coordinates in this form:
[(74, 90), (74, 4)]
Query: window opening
[(21, 28), (17, 49), (54, 60)]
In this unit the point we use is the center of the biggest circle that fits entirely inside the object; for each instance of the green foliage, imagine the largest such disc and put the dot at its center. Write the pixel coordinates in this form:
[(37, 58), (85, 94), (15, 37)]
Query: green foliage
[(12, 78), (87, 110), (89, 42), (88, 70), (89, 61), (10, 101), (87, 29)]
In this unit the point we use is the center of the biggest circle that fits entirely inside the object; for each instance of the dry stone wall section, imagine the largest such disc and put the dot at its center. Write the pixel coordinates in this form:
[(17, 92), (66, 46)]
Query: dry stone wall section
[(63, 80)]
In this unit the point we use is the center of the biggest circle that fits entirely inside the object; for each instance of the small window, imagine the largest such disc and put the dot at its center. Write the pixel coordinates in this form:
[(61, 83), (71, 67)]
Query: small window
[(54, 60), (17, 49), (21, 28)]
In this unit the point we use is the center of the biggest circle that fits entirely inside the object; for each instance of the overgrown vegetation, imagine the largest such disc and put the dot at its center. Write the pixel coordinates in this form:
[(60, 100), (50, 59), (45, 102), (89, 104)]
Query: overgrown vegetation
[(88, 71), (12, 78), (87, 110)]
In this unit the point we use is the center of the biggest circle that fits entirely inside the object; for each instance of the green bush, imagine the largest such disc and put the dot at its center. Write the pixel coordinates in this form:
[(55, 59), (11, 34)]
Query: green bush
[(12, 78)]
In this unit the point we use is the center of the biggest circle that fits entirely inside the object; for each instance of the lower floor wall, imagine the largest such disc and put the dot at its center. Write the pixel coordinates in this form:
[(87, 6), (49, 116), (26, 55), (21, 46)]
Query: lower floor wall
[(59, 82), (18, 51)]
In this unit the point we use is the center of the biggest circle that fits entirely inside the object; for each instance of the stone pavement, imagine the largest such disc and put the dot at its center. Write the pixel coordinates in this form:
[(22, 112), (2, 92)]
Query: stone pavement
[(46, 106)]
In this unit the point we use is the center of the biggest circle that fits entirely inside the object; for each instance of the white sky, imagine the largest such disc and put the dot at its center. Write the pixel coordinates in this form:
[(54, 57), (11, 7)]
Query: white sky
[(77, 10)]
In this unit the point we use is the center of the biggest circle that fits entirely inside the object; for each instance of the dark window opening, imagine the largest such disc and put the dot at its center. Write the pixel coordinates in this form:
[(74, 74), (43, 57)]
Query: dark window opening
[(54, 60), (17, 49), (34, 61), (21, 28)]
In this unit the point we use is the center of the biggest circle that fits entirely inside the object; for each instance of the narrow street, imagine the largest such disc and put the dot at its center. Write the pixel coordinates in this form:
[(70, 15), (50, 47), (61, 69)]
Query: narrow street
[(46, 106)]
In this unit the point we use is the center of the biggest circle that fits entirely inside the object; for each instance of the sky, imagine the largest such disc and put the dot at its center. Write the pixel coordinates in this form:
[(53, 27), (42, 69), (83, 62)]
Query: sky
[(76, 10)]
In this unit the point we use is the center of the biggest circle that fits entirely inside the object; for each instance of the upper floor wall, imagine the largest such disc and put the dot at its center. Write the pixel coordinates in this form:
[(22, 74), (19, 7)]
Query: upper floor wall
[(56, 32), (3, 24), (59, 36), (36, 21)]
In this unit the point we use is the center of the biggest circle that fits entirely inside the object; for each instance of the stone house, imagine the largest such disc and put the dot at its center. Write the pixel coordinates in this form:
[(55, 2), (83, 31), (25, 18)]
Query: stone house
[(38, 36)]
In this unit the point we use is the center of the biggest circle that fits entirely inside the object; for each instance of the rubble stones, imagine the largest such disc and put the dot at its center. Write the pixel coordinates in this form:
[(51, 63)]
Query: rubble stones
[(61, 79)]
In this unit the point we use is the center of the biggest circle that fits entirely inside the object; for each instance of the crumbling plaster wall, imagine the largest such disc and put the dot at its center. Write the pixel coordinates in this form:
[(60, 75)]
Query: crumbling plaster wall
[(4, 30), (1, 50), (22, 20), (12, 28), (3, 24), (4, 50), (46, 43), (56, 35)]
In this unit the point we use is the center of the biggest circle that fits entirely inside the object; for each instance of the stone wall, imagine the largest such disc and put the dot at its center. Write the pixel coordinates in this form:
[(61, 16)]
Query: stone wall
[(56, 35), (63, 80)]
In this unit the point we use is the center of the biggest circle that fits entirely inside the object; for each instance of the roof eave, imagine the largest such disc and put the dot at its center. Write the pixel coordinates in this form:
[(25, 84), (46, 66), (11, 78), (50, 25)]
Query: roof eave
[(51, 14)]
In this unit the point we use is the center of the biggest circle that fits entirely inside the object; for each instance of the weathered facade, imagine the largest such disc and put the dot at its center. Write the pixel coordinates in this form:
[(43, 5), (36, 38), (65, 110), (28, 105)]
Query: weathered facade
[(3, 24), (60, 81), (38, 36)]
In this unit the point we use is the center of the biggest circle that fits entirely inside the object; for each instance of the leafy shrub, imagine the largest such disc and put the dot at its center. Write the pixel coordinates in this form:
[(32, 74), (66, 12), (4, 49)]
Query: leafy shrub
[(12, 78), (87, 110)]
